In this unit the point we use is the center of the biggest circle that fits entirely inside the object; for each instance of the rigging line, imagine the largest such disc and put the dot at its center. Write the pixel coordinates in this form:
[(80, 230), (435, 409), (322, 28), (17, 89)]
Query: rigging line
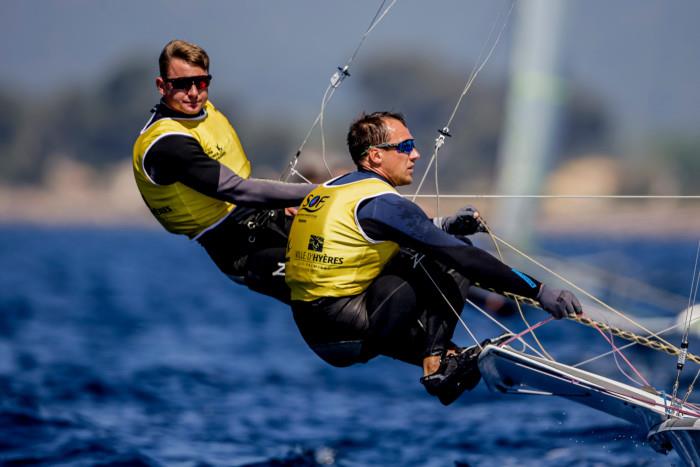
[(617, 362), (691, 388), (480, 196), (650, 336), (517, 336), (491, 236), (464, 324), (692, 298), (437, 190), (617, 351), (459, 317), (532, 331), (445, 131), (336, 80), (323, 139), (576, 287), (474, 74), (684, 340), (529, 329), (517, 302)]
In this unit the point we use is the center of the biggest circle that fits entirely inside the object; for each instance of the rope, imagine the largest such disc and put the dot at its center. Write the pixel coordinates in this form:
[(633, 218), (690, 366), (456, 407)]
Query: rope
[(574, 286), (692, 298), (655, 344), (445, 131), (335, 81), (459, 317), (652, 343), (651, 336), (517, 302), (619, 352), (505, 328), (531, 329)]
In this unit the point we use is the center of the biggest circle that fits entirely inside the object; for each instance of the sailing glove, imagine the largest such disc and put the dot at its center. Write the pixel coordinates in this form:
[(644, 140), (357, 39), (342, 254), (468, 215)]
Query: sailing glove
[(466, 221), (559, 303)]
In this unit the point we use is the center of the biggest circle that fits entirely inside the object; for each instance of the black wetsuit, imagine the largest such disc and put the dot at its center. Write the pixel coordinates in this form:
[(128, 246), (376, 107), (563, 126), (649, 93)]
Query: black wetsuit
[(410, 310), (249, 245)]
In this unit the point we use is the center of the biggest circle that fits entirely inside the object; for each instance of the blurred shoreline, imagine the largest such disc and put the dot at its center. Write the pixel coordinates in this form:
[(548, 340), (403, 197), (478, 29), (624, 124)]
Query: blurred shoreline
[(78, 195)]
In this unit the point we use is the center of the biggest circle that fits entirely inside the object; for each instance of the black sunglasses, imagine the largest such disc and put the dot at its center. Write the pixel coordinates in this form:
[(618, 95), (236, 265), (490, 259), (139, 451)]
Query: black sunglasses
[(406, 146), (185, 84)]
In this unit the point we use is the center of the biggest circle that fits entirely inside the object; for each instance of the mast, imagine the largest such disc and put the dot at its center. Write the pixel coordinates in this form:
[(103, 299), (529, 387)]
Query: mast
[(535, 98)]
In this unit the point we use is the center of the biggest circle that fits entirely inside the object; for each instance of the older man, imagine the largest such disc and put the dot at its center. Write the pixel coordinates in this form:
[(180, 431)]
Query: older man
[(193, 174), (356, 296)]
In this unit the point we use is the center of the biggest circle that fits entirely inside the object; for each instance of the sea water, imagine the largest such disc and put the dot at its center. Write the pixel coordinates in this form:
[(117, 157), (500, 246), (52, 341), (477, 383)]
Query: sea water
[(128, 347)]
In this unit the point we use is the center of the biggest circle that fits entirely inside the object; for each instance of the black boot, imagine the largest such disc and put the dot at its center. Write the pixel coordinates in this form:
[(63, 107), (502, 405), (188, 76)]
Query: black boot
[(458, 372)]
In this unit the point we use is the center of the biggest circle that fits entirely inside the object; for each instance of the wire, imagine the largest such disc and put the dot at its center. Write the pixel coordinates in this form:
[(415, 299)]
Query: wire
[(335, 81), (440, 140)]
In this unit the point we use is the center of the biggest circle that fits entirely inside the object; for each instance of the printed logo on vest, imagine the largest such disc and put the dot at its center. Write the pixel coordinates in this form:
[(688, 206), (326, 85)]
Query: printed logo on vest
[(313, 203), (160, 211), (315, 243), (217, 153)]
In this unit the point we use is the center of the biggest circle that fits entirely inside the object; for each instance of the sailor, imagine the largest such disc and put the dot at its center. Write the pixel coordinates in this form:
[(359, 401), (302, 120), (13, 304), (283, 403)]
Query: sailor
[(193, 175), (356, 291)]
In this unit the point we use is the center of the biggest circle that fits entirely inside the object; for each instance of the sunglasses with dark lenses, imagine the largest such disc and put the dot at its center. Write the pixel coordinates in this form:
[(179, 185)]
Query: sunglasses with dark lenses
[(406, 146), (185, 84)]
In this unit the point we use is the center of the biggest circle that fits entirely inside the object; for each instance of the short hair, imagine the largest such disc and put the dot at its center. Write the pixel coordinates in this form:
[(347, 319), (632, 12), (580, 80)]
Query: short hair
[(369, 130), (190, 53)]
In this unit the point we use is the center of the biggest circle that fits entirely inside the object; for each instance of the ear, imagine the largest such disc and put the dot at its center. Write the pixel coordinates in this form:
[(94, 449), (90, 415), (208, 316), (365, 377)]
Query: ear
[(160, 84), (374, 156)]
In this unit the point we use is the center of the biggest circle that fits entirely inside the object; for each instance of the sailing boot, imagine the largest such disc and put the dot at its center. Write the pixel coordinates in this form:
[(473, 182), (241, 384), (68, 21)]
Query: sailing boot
[(458, 372)]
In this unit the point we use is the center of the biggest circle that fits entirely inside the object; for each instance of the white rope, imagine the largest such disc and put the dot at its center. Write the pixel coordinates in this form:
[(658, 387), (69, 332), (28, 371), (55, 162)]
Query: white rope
[(654, 335), (459, 317), (505, 328), (517, 302), (576, 287), (440, 140), (335, 81), (692, 299)]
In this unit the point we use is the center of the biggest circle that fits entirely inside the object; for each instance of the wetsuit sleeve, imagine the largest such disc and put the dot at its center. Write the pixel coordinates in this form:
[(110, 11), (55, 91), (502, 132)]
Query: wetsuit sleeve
[(391, 217), (179, 158)]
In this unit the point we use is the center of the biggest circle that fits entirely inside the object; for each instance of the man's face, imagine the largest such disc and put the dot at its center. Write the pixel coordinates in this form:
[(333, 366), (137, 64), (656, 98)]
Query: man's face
[(188, 100), (396, 166)]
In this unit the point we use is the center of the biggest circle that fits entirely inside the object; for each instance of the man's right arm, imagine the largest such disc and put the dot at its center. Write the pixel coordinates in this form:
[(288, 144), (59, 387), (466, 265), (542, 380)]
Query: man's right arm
[(180, 158), (391, 217)]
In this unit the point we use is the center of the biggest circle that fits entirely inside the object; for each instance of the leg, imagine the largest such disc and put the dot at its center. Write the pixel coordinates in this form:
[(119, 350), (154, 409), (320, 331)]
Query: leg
[(408, 287), (254, 257), (264, 273)]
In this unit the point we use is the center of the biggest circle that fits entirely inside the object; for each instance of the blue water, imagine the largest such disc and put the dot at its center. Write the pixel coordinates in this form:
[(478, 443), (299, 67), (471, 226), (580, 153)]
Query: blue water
[(130, 348)]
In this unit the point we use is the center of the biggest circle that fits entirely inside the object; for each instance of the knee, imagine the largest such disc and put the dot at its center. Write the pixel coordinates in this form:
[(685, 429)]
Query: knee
[(341, 354)]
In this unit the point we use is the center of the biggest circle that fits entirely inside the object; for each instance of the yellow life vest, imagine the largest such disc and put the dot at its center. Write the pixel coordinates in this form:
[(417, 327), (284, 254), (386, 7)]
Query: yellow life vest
[(178, 208), (328, 254)]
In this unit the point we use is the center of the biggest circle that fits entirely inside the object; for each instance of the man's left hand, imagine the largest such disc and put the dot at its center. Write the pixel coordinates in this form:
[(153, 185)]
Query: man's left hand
[(559, 303), (466, 221)]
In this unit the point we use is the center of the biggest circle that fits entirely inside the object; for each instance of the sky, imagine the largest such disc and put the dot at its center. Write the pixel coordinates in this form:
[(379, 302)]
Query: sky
[(277, 55)]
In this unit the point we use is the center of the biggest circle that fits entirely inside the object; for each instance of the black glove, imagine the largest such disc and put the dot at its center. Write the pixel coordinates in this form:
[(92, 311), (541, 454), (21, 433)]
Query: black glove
[(557, 302), (466, 221)]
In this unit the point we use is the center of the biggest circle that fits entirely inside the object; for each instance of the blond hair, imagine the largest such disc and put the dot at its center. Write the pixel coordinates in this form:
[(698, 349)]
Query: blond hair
[(190, 53)]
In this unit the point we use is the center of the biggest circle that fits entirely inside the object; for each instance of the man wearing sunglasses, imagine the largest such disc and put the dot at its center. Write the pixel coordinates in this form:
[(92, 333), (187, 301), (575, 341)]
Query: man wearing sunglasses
[(193, 175), (358, 292)]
